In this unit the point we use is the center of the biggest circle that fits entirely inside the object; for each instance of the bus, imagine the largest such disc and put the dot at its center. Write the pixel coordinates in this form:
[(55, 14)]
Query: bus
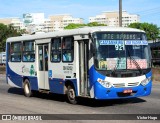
[(93, 62), (2, 58)]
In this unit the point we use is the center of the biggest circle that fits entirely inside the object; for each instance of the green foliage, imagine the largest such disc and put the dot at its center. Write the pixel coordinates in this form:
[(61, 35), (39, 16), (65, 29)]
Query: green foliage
[(95, 24), (151, 30), (5, 32), (74, 26)]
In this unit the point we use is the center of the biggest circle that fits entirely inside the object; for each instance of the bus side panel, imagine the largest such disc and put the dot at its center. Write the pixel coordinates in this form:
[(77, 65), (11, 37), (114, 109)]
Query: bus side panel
[(33, 82), (17, 73), (57, 85), (75, 84), (14, 79)]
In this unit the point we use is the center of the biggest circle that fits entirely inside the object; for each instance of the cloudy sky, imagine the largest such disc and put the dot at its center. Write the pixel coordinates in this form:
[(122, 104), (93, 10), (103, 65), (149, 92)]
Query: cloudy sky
[(149, 10)]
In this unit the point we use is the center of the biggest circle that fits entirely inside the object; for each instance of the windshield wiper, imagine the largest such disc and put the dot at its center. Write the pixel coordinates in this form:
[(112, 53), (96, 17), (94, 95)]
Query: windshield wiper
[(116, 66), (135, 62)]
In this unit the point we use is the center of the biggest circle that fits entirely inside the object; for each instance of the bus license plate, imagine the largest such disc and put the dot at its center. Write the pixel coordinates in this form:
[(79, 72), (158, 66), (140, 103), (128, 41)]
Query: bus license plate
[(127, 91)]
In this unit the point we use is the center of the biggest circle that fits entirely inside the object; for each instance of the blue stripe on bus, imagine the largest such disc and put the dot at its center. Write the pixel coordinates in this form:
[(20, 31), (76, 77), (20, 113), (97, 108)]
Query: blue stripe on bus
[(94, 75), (57, 85), (149, 74)]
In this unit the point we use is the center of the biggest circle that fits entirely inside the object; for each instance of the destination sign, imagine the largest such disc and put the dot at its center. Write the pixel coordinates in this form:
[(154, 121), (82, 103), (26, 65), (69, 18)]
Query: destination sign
[(121, 42), (136, 42), (121, 36), (110, 42)]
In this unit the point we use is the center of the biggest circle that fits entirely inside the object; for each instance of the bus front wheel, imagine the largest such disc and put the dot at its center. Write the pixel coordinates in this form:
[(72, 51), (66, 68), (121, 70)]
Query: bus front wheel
[(27, 88), (71, 96)]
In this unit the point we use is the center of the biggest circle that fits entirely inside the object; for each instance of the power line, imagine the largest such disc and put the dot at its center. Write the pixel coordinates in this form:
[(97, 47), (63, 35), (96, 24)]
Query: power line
[(157, 8), (149, 11)]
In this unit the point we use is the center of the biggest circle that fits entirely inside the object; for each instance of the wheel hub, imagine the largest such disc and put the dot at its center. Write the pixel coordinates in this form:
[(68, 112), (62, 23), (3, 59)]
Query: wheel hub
[(71, 94), (26, 88)]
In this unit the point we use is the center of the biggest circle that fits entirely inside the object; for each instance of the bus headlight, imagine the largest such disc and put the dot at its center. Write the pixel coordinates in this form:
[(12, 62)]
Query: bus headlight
[(104, 83), (145, 81)]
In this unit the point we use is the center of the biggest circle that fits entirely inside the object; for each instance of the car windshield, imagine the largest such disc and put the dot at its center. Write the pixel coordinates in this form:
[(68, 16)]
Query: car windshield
[(121, 51)]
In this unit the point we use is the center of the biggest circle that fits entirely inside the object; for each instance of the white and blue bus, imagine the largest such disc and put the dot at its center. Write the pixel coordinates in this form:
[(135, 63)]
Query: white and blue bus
[(94, 62)]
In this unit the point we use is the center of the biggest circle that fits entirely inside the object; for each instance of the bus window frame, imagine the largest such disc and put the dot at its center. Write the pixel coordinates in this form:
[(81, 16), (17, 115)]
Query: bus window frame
[(15, 52), (8, 53), (72, 49), (29, 51), (57, 50)]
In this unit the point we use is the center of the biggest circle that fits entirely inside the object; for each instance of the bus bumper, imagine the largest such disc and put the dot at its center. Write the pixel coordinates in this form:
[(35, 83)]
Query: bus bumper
[(117, 93)]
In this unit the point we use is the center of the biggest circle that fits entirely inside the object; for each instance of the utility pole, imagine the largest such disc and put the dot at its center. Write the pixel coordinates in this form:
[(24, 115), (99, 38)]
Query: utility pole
[(120, 13)]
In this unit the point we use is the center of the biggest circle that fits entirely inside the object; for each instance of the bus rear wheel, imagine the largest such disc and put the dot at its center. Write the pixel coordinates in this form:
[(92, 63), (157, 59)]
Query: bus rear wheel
[(27, 88), (71, 96)]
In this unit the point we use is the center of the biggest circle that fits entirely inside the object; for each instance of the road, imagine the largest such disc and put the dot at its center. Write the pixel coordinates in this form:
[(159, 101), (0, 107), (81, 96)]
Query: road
[(12, 101)]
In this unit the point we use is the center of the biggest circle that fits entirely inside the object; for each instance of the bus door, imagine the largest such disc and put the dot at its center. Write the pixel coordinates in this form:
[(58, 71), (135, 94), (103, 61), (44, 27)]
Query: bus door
[(43, 66), (83, 67)]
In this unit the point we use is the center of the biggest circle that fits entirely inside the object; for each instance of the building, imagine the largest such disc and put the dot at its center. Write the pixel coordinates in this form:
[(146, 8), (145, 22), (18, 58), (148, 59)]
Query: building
[(47, 26), (111, 18), (15, 22), (60, 21), (33, 18), (36, 22)]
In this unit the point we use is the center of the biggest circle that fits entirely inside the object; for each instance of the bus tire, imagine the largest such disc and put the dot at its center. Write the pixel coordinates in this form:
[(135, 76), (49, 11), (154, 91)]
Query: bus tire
[(71, 95), (27, 88)]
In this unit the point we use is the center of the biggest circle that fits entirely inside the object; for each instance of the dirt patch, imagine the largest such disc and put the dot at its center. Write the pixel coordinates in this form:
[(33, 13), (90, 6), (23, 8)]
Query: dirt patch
[(156, 74), (2, 69)]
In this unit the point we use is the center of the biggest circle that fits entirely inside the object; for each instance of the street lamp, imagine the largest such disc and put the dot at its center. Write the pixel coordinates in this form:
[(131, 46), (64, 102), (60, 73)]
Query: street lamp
[(120, 13)]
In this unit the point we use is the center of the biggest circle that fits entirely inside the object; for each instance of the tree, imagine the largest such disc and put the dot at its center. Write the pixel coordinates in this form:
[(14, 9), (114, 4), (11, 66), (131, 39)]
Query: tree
[(95, 24), (152, 31), (6, 32), (74, 26)]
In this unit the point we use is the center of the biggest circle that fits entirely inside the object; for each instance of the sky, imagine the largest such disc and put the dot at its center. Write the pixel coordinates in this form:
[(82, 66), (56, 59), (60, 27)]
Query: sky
[(149, 10)]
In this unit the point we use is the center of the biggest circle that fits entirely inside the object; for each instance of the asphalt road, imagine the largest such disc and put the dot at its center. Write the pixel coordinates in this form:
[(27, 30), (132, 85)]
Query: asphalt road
[(12, 101)]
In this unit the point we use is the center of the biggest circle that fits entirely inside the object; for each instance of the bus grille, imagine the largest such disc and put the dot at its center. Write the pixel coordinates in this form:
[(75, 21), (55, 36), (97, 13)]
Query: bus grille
[(120, 85), (133, 84)]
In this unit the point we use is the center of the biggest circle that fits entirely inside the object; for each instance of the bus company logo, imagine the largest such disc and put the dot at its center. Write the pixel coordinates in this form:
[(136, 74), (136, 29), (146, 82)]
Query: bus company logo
[(21, 117), (32, 71), (25, 69), (67, 68), (6, 117)]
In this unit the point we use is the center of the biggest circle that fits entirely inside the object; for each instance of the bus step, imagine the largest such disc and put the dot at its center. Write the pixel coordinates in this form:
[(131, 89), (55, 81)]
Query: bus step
[(83, 95), (44, 91)]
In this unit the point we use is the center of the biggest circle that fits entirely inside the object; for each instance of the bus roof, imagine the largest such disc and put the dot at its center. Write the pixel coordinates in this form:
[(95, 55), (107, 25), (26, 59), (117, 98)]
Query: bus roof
[(84, 30)]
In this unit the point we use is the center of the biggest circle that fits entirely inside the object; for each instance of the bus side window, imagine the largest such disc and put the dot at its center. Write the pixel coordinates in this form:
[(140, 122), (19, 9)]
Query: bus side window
[(15, 51), (28, 51), (67, 49), (56, 50)]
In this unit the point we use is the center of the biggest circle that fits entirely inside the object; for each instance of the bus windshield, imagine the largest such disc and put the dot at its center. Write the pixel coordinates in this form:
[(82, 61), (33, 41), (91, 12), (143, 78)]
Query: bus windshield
[(121, 51)]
